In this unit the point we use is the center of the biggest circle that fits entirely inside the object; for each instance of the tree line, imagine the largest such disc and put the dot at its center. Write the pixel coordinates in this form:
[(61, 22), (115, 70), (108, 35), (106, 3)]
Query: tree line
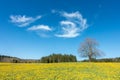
[(117, 59), (53, 58), (56, 58)]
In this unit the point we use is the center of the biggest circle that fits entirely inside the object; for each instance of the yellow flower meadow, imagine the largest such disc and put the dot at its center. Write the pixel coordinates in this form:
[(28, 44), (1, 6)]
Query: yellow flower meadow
[(60, 71)]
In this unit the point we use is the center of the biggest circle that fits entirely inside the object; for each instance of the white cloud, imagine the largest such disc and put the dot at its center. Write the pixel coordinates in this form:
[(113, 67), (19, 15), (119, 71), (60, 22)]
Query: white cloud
[(40, 27), (73, 25), (69, 30), (77, 18), (72, 15), (23, 21), (41, 30), (68, 23)]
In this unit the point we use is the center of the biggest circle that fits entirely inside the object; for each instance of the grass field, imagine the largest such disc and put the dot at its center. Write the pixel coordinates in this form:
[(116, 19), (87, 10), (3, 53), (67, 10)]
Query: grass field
[(60, 71)]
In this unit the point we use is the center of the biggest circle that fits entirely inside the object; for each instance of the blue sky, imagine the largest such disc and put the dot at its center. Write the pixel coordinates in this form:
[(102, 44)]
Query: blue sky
[(36, 28)]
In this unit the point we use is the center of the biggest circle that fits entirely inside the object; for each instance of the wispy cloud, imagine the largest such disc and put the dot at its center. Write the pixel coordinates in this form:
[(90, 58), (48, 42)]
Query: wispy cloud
[(39, 27), (73, 25), (41, 30), (72, 15), (23, 21), (69, 30), (70, 27), (77, 18)]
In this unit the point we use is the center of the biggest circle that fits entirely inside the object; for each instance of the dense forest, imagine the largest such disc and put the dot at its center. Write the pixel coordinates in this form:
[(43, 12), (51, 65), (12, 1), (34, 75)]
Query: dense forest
[(55, 58)]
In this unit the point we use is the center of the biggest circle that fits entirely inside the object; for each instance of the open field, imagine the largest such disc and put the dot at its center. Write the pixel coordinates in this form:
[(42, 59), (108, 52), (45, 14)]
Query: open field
[(60, 71)]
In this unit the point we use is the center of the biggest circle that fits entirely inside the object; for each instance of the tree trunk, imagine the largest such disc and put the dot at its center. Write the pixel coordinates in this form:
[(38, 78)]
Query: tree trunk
[(90, 59)]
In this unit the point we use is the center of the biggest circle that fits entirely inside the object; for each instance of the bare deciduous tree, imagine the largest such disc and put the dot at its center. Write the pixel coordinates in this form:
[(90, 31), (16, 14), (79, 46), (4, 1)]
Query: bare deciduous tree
[(89, 48)]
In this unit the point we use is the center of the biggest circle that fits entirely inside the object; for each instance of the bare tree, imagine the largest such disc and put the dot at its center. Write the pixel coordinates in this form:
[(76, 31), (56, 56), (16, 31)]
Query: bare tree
[(89, 48)]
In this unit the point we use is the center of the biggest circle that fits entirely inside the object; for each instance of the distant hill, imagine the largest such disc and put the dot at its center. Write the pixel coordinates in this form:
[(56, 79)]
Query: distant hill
[(4, 58)]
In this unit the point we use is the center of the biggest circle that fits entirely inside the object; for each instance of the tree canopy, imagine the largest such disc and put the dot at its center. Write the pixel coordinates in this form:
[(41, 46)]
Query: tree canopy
[(89, 48), (55, 58)]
